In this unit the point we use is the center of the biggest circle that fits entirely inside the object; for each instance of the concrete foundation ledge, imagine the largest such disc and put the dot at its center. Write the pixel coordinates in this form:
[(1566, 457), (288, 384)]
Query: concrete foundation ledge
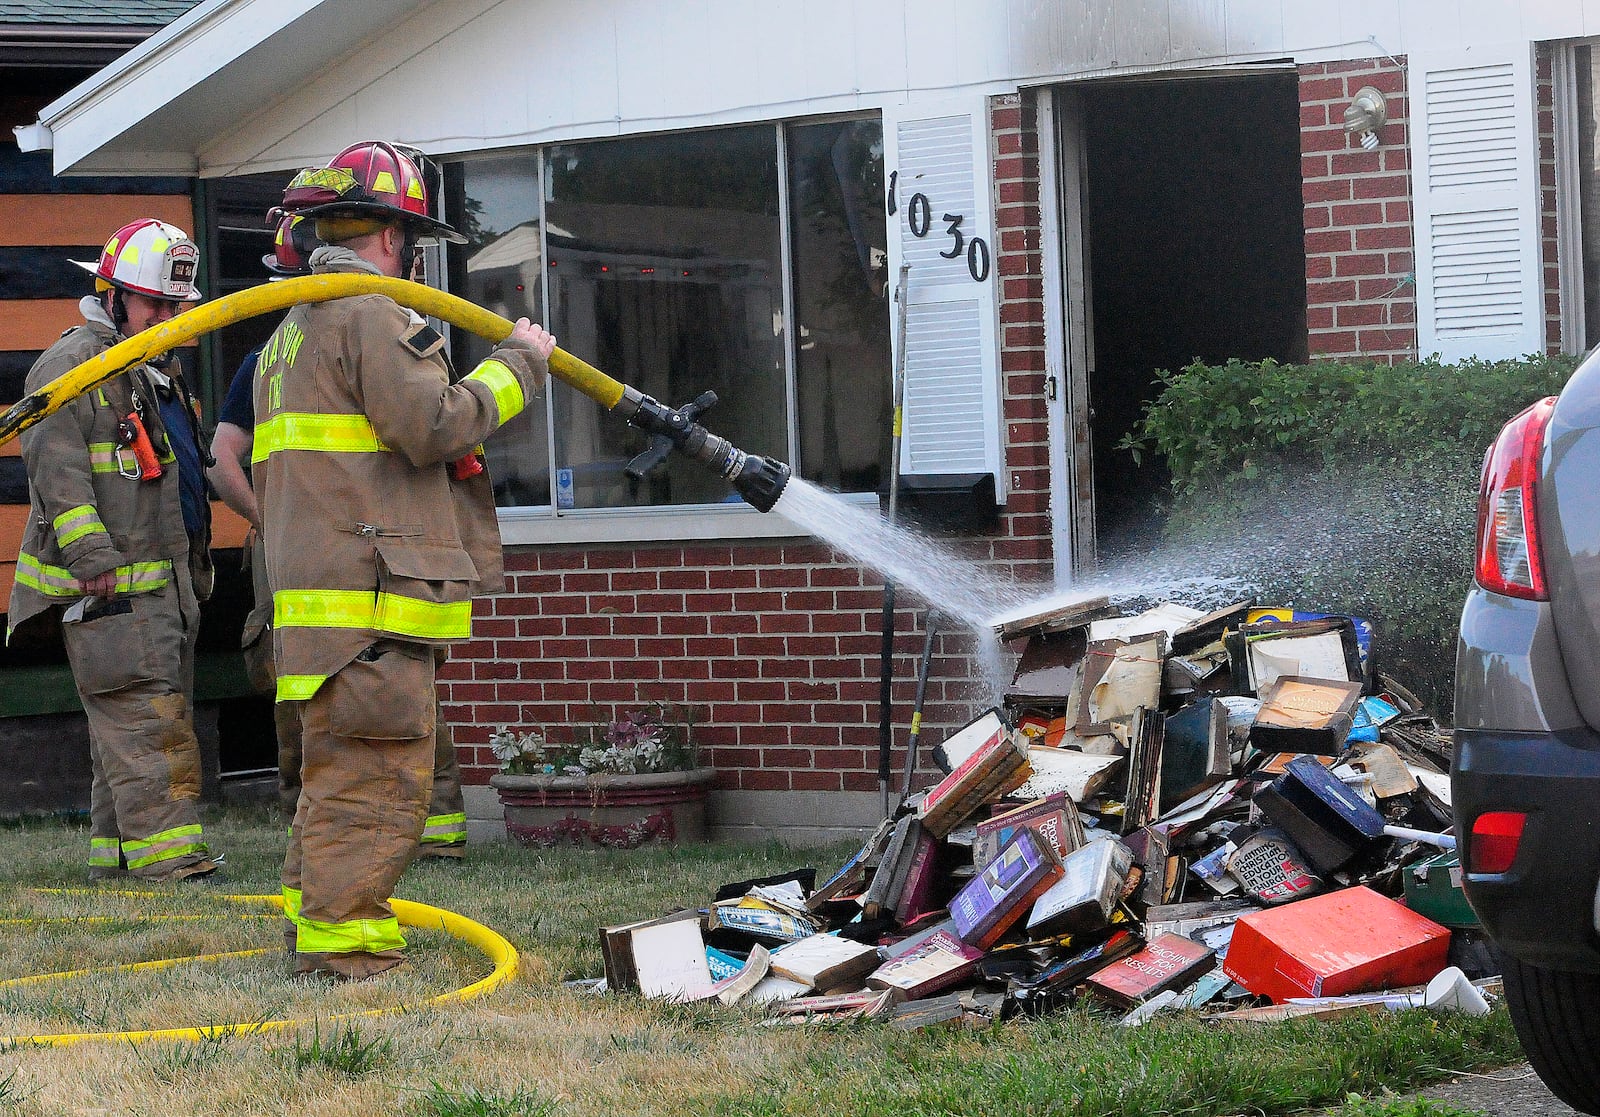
[(795, 818)]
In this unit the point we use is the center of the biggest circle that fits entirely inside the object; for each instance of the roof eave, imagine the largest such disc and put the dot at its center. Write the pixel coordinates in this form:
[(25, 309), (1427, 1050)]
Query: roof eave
[(108, 77), (90, 124)]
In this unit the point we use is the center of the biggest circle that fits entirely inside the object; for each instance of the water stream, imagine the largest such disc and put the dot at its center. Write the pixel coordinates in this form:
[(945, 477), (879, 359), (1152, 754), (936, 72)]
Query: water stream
[(957, 587), (1348, 535), (967, 593), (978, 597)]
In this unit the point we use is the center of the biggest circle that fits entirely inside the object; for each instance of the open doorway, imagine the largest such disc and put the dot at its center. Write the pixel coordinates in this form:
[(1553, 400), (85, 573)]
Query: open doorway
[(1194, 247)]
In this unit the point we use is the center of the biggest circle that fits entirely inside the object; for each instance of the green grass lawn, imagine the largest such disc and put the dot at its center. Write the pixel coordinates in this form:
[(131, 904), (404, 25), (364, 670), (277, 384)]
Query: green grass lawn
[(537, 1047)]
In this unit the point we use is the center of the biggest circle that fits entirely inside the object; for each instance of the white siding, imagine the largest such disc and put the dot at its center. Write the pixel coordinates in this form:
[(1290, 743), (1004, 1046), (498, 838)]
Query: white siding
[(465, 75)]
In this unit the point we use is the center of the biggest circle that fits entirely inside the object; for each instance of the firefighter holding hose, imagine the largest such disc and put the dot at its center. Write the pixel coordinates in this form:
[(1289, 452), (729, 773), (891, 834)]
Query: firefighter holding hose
[(444, 836), (107, 554), (371, 557)]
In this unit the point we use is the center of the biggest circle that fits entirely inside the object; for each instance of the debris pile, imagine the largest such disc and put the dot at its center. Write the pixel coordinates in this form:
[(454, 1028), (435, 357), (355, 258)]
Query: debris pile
[(1228, 812)]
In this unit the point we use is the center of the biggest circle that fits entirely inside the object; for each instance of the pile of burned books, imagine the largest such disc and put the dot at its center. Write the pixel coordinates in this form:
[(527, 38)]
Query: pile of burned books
[(1218, 811)]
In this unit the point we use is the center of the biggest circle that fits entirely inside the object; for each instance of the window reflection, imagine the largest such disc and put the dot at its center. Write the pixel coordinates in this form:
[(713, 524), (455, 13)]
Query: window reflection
[(495, 205), (665, 272), (664, 269), (840, 262)]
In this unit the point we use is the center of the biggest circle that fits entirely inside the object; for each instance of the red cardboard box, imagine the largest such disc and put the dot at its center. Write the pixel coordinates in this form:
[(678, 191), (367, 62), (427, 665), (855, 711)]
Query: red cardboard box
[(1350, 941)]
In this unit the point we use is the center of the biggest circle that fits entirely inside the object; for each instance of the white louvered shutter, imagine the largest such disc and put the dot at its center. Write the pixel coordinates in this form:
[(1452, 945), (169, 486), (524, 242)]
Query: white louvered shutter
[(937, 155), (1480, 289)]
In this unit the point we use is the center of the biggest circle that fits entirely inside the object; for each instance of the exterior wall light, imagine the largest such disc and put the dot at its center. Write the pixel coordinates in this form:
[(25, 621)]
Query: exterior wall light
[(1367, 113)]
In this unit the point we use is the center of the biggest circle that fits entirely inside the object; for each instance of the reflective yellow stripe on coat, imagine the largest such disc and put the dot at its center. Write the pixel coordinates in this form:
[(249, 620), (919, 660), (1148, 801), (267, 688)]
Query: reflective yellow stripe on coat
[(73, 524), (57, 581), (103, 457), (302, 430), (499, 379), (381, 612)]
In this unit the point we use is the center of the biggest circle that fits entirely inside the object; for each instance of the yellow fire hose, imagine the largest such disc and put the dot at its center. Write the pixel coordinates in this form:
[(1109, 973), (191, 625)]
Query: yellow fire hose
[(760, 480), (269, 297), (410, 914)]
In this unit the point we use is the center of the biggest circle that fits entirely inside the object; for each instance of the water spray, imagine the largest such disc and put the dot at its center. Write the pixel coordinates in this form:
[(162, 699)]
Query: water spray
[(759, 480)]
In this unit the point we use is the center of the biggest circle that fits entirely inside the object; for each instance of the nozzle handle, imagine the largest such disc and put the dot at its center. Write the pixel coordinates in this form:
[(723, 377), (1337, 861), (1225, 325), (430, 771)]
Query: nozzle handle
[(667, 427)]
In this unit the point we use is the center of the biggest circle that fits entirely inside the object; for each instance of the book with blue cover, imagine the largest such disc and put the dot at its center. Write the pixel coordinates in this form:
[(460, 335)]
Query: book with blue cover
[(1328, 821), (1004, 892)]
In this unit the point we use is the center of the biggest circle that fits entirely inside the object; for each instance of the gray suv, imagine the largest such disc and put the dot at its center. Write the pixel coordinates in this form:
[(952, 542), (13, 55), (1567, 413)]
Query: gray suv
[(1526, 774)]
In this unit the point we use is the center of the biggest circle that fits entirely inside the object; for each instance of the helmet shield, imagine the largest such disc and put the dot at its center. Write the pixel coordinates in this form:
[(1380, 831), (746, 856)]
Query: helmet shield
[(373, 179)]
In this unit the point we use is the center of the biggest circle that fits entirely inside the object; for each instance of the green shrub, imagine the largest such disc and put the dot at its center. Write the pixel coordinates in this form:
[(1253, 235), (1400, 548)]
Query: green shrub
[(1217, 425), (1341, 487)]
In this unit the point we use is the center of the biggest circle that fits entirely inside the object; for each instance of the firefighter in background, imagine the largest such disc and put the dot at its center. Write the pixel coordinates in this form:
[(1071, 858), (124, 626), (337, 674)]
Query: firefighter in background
[(444, 836), (107, 555), (293, 244), (372, 555)]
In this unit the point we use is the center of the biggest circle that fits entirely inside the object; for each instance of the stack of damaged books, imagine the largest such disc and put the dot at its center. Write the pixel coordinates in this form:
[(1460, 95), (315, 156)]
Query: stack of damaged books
[(1217, 811)]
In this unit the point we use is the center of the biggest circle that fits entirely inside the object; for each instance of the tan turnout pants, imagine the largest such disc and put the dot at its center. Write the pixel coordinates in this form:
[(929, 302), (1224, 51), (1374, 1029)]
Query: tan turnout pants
[(134, 673), (445, 832), (366, 771)]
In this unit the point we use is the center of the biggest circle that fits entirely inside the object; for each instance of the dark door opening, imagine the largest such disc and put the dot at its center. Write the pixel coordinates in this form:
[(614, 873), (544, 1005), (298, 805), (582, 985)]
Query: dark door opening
[(1194, 214)]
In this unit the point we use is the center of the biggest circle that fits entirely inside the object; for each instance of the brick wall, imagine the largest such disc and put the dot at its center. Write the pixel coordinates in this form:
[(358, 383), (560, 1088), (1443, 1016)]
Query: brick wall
[(776, 645), (1360, 271), (1014, 131), (1360, 268), (1544, 99)]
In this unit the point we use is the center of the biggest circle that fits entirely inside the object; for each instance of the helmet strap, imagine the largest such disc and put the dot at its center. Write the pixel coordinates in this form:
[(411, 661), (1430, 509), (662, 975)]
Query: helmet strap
[(117, 309), (408, 249)]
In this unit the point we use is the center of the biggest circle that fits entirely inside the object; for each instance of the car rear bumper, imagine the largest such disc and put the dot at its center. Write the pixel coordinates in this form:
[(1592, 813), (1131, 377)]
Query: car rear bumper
[(1542, 909), (1521, 745)]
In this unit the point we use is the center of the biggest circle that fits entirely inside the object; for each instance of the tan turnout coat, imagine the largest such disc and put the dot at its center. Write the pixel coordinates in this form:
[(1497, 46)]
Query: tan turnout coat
[(356, 422), (72, 464)]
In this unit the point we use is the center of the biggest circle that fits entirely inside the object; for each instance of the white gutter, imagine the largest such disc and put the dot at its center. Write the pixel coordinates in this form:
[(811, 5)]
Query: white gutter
[(34, 137)]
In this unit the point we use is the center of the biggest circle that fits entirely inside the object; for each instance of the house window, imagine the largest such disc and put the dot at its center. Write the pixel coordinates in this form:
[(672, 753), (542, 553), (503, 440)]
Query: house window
[(841, 270), (670, 262), (494, 203), (236, 215)]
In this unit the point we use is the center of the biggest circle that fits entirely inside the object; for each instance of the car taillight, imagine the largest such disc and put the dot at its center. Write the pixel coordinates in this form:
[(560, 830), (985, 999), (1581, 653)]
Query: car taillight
[(1508, 522), (1495, 838)]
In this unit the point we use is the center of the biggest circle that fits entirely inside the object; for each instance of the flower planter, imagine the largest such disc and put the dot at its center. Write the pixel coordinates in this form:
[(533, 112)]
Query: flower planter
[(609, 810)]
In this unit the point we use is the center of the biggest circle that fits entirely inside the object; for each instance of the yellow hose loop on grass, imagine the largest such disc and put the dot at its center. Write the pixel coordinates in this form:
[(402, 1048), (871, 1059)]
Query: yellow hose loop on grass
[(411, 914), (281, 295), (132, 967)]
